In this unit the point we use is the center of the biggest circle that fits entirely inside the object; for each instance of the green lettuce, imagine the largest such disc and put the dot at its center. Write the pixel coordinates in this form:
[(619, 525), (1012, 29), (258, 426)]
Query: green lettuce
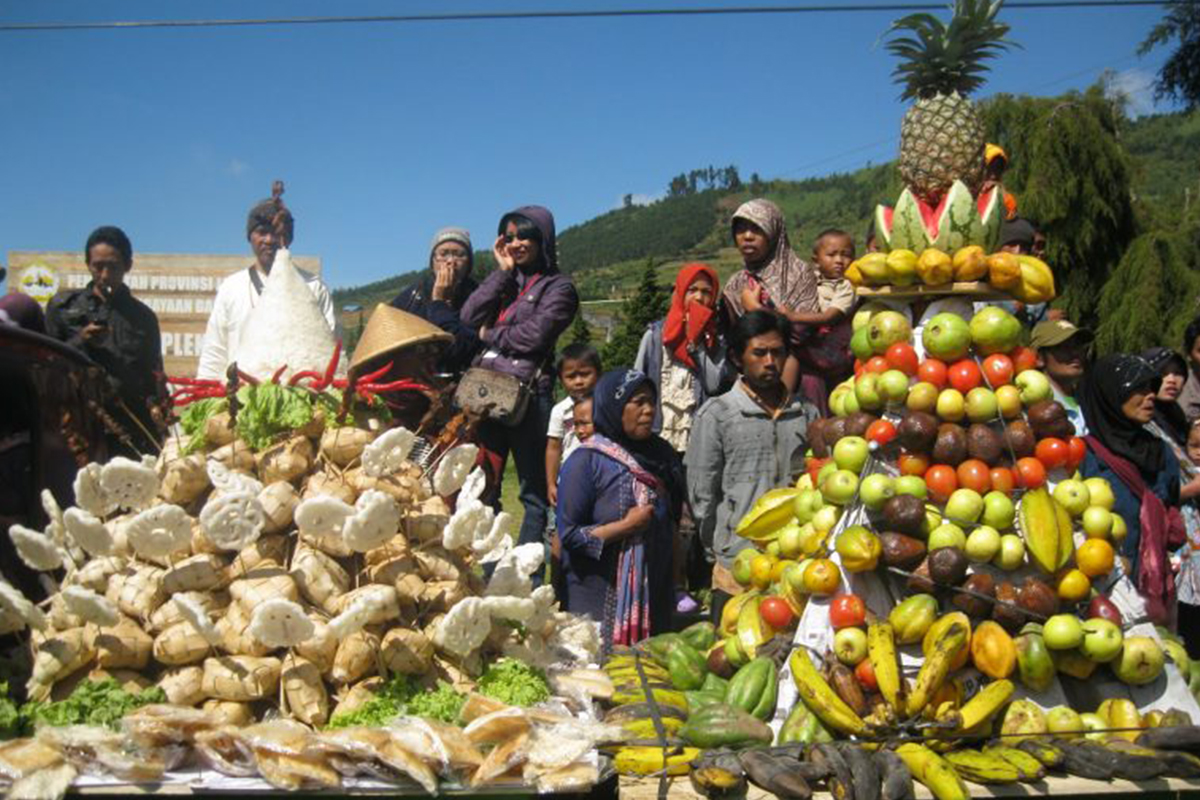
[(267, 410), (400, 695), (514, 682), (193, 419), (92, 703)]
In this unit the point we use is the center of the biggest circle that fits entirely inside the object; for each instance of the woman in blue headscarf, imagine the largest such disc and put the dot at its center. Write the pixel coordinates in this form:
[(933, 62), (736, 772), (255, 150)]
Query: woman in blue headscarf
[(619, 494)]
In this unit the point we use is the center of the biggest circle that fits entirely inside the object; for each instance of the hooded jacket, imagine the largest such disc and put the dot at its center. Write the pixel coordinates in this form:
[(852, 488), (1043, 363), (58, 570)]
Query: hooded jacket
[(418, 299), (536, 309)]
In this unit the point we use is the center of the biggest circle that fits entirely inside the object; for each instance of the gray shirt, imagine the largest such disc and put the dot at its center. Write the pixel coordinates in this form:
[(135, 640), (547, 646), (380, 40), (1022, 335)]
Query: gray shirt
[(737, 453)]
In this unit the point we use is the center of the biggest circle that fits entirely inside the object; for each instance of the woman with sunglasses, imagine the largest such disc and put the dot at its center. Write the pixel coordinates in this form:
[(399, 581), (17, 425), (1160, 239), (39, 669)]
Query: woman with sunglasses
[(520, 310)]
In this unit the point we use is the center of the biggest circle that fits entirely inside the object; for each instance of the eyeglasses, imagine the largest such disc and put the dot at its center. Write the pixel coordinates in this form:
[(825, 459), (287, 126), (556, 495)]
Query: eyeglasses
[(450, 255)]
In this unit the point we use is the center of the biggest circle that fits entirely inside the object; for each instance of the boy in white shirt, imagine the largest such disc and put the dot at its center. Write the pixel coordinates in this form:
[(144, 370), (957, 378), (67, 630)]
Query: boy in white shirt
[(578, 368)]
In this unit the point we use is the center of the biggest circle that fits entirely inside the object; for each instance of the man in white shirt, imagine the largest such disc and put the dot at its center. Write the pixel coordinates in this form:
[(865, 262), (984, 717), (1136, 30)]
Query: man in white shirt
[(1062, 353), (238, 294)]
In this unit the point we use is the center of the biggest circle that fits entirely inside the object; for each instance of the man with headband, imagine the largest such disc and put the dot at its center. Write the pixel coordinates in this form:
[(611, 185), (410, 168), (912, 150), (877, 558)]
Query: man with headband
[(239, 293)]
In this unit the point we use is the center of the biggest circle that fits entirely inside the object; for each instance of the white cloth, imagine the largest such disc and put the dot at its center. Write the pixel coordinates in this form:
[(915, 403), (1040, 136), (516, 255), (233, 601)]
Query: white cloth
[(562, 427), (236, 298), (678, 402)]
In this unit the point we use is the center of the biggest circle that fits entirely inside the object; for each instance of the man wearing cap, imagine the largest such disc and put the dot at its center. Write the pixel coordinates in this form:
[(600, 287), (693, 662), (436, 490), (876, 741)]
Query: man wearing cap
[(1062, 352), (238, 294)]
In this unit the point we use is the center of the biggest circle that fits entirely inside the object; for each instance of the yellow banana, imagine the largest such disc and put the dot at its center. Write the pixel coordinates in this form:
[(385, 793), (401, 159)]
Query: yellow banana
[(938, 776), (1043, 751), (650, 760), (978, 767), (984, 705), (644, 728), (881, 648), (936, 667), (669, 697), (820, 698), (1029, 769)]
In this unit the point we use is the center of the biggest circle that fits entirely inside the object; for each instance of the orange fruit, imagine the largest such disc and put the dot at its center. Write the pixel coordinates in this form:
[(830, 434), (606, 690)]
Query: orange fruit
[(761, 568), (778, 567), (821, 576), (1095, 557), (1074, 586)]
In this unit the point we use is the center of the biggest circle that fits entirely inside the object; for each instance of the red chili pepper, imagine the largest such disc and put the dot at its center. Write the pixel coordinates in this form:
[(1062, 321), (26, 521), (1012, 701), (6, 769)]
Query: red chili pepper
[(247, 378), (395, 386), (181, 381), (278, 374), (333, 362), (306, 375), (371, 377)]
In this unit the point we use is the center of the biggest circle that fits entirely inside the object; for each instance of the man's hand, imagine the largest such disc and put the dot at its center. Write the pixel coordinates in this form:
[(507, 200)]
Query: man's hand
[(639, 518), (750, 301), (500, 250), (443, 281), (552, 495), (92, 332)]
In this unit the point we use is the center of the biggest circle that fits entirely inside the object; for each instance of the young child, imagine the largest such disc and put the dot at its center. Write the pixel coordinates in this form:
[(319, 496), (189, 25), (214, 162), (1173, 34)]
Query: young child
[(1187, 558), (578, 368), (827, 353), (581, 416)]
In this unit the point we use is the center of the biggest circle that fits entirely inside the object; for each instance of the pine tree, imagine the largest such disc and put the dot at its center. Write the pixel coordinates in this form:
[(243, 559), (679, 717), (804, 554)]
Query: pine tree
[(1179, 76), (648, 303), (581, 332)]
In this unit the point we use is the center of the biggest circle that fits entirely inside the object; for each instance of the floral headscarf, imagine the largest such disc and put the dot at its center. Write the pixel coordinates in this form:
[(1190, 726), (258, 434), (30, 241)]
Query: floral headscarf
[(787, 279)]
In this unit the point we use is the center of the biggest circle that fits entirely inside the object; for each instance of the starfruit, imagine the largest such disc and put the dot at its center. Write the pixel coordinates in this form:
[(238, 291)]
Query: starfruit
[(935, 268), (874, 268), (993, 651), (937, 629), (1037, 281), (1004, 271), (1046, 527), (729, 613), (970, 263), (911, 617), (902, 267), (859, 549), (768, 515), (752, 630)]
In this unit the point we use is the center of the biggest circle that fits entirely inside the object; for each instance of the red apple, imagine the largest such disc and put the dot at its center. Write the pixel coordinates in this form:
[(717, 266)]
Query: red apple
[(1103, 608)]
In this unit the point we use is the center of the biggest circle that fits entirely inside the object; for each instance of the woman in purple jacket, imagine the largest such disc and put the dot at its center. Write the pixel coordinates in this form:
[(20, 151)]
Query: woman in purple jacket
[(520, 310)]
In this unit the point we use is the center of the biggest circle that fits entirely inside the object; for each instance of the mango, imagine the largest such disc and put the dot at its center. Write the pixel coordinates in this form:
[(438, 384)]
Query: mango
[(912, 618), (859, 549), (993, 651), (1034, 664)]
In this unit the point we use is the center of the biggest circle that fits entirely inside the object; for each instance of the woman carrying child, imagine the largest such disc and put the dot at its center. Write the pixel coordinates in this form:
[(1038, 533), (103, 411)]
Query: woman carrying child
[(619, 493)]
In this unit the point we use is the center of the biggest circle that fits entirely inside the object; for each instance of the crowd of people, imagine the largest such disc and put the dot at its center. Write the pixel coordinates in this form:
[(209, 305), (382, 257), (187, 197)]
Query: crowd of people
[(636, 479)]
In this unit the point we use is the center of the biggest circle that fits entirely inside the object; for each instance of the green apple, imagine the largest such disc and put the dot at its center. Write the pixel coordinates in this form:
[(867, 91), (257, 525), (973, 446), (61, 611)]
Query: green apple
[(807, 503), (1008, 399), (850, 403), (1035, 387), (893, 386), (1012, 552), (982, 404), (951, 406), (886, 329), (1097, 522), (1064, 721), (922, 396), (964, 505), (791, 540), (999, 511), (1095, 725), (839, 488), (876, 489), (1063, 632), (1073, 495), (947, 535), (912, 484), (933, 519), (866, 389), (1119, 530), (860, 344), (827, 469), (837, 401), (1141, 661), (947, 337), (864, 313), (826, 517), (851, 453), (983, 544), (1101, 493), (1102, 640), (850, 645)]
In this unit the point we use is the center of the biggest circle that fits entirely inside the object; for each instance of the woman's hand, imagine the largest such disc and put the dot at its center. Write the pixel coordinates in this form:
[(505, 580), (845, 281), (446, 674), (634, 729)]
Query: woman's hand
[(443, 280), (500, 250), (639, 518), (1191, 489), (750, 301)]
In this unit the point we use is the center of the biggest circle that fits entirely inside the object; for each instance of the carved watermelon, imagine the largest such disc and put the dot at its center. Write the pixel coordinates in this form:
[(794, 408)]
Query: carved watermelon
[(957, 221)]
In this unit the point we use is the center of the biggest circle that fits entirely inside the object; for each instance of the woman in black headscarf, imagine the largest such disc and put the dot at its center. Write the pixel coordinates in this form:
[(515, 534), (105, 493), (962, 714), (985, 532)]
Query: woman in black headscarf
[(1118, 401), (618, 495), (1168, 414)]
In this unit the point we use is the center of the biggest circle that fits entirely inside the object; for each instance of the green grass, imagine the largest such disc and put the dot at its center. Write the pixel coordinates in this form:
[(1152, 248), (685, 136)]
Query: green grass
[(510, 499)]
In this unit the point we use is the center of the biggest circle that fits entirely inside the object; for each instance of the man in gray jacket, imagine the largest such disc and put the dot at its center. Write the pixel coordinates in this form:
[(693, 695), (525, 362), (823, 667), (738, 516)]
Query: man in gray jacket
[(744, 443)]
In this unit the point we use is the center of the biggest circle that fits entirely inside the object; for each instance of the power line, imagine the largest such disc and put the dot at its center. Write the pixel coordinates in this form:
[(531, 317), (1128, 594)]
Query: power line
[(491, 16)]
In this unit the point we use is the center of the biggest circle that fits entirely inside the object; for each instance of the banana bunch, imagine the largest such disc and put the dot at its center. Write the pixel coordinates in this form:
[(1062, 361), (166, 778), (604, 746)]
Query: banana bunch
[(933, 771), (881, 650), (983, 768), (821, 699), (642, 761), (936, 667)]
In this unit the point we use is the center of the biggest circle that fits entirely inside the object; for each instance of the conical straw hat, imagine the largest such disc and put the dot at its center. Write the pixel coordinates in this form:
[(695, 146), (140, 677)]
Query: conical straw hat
[(390, 329)]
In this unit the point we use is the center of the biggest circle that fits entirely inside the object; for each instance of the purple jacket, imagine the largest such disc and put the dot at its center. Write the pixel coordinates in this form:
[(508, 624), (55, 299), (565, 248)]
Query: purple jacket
[(526, 337)]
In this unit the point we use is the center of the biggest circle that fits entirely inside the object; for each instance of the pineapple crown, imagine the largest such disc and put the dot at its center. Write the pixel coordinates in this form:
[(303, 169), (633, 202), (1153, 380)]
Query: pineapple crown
[(936, 58)]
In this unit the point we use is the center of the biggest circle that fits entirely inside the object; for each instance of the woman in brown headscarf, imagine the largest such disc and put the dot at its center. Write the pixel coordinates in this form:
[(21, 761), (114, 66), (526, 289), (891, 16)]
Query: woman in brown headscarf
[(774, 277)]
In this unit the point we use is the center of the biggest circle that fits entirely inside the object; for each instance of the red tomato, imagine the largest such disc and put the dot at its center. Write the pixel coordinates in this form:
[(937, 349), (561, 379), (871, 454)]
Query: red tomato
[(858, 368), (998, 369), (865, 674), (1078, 449), (903, 357), (814, 466), (847, 611), (881, 431), (1003, 480), (974, 474), (911, 464), (1054, 453), (965, 375), (933, 371), (777, 613), (1023, 358), (877, 364), (941, 481), (1030, 473)]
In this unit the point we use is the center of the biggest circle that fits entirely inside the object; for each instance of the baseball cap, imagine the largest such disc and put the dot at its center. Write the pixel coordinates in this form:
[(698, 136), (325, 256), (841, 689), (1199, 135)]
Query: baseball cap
[(1055, 332), (1018, 231)]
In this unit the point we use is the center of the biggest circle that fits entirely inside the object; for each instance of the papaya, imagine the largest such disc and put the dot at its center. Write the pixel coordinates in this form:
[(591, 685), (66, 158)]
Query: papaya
[(722, 725), (755, 688), (700, 698), (659, 647), (993, 651), (701, 635), (686, 666), (715, 683)]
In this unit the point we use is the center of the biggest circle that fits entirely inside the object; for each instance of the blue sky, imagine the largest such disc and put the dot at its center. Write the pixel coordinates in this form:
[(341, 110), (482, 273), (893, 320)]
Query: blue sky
[(385, 132)]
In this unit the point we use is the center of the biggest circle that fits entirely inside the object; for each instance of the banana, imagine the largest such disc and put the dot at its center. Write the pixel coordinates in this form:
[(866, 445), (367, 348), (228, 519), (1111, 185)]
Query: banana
[(978, 767), (644, 728), (1029, 769), (630, 712), (650, 760), (1177, 764), (936, 667), (820, 697), (938, 776), (867, 780), (881, 649), (1043, 751), (664, 697), (1175, 737), (840, 780), (897, 777), (1085, 763), (774, 774), (1130, 766), (718, 774), (980, 708)]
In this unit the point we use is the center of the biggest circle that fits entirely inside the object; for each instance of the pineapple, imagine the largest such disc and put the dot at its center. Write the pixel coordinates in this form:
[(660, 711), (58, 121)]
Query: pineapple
[(942, 138)]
